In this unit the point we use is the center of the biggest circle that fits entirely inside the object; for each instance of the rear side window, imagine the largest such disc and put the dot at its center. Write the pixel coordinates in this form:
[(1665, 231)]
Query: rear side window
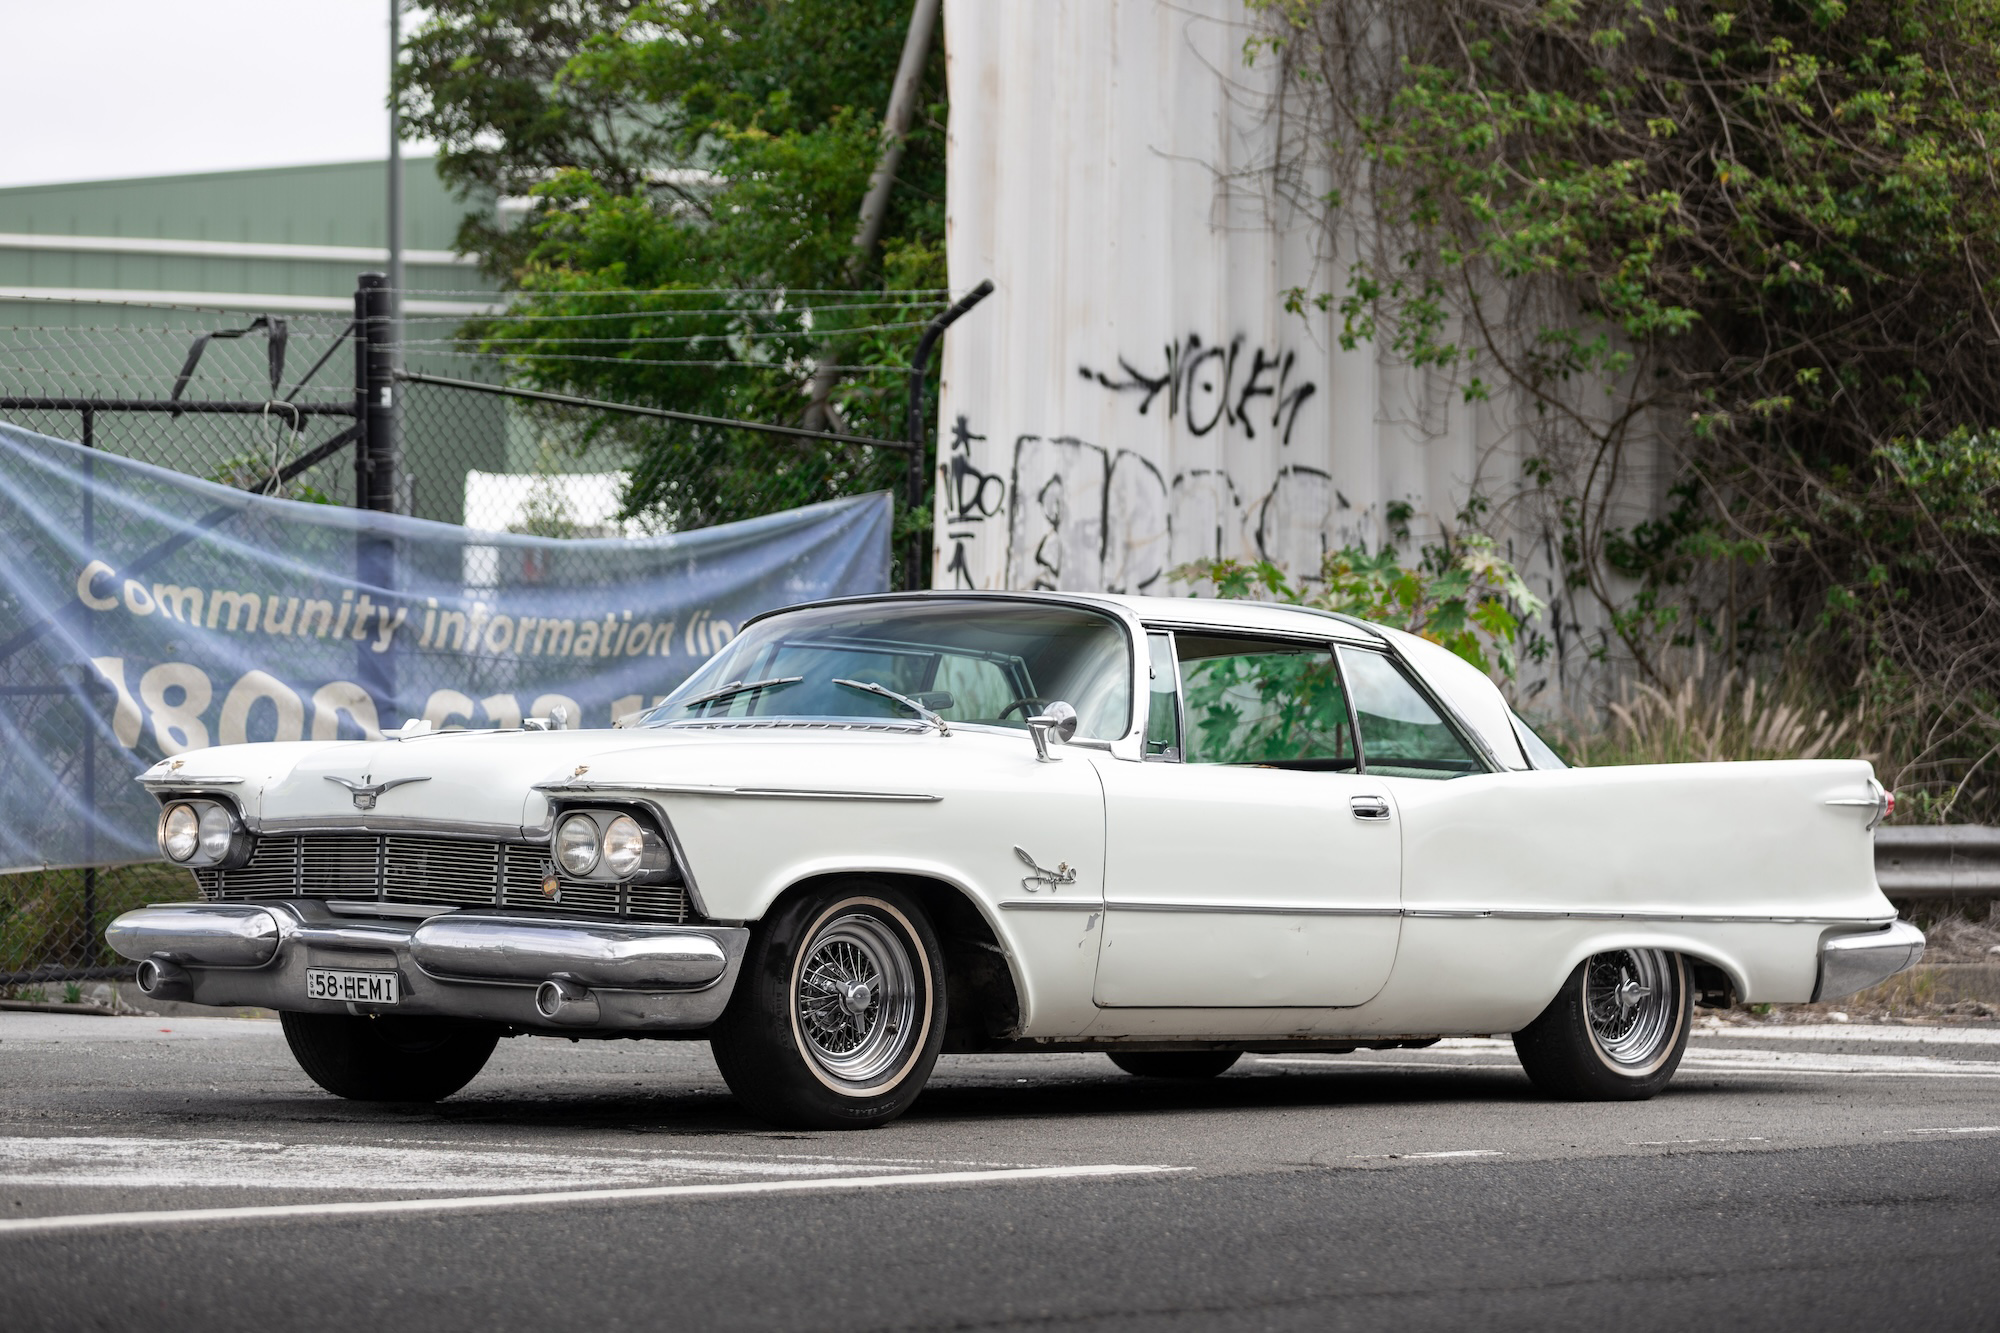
[(1250, 701), (1402, 736)]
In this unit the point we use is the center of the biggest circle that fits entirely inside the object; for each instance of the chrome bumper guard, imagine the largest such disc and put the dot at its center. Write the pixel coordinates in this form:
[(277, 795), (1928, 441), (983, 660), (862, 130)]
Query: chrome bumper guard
[(1850, 963), (525, 971)]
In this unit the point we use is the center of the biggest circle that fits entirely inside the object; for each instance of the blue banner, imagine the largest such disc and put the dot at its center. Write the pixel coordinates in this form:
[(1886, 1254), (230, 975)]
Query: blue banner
[(144, 613)]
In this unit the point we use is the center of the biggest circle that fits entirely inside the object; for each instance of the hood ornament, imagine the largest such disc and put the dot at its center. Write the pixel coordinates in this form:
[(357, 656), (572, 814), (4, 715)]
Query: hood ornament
[(365, 792), (1054, 879)]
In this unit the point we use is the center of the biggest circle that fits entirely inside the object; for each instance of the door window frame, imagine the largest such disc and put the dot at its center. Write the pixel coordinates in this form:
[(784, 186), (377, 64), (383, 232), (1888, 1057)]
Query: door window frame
[(1474, 744), (1179, 752)]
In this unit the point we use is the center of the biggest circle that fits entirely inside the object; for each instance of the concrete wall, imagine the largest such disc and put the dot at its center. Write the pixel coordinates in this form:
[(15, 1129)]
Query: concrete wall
[(1135, 394)]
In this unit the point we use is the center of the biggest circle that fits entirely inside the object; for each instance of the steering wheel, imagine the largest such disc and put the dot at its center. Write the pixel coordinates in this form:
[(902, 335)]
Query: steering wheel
[(1022, 704)]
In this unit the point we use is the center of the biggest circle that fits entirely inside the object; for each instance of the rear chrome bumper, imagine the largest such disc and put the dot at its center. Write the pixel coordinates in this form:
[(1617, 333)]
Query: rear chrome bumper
[(526, 971), (1850, 963)]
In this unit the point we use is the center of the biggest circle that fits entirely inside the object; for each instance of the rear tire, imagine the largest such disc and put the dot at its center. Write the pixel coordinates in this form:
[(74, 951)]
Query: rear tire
[(1616, 1029), (388, 1057), (1175, 1064), (840, 1011)]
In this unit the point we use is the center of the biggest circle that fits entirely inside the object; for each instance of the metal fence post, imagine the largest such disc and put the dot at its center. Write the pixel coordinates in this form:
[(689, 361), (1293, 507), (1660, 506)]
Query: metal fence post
[(89, 535), (914, 426), (377, 465), (377, 462)]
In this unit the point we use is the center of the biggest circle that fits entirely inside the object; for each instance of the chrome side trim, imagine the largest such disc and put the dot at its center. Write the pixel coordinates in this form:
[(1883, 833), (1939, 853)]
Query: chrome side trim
[(568, 787), (172, 780), (1464, 913), (1720, 918), (1254, 909), (1049, 905)]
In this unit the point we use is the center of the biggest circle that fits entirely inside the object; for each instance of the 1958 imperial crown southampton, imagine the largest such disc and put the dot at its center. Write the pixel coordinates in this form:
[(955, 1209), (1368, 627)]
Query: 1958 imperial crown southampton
[(874, 830)]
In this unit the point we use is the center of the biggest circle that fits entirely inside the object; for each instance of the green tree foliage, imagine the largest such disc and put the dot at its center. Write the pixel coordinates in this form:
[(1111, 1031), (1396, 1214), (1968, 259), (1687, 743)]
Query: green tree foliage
[(696, 169), (1767, 231), (1459, 593)]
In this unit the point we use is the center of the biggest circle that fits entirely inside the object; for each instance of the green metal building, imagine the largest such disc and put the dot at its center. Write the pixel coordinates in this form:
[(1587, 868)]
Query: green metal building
[(105, 286)]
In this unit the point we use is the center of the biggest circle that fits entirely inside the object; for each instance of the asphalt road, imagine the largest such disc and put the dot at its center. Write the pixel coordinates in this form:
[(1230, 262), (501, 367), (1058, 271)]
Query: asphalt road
[(1815, 1179)]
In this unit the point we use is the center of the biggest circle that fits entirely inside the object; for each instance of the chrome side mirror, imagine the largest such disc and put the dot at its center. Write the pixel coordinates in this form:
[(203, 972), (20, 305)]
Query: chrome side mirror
[(1057, 720)]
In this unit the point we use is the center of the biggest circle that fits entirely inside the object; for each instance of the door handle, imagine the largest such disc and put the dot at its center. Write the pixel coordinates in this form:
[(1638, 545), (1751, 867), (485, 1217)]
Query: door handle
[(1369, 807)]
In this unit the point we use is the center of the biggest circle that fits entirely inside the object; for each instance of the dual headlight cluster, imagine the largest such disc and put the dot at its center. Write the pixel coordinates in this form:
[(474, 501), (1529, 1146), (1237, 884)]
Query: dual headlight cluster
[(198, 833), (607, 844)]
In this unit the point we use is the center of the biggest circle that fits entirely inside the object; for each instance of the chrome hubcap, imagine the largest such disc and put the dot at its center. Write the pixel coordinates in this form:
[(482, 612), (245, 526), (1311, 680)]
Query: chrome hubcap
[(1633, 1005), (856, 998)]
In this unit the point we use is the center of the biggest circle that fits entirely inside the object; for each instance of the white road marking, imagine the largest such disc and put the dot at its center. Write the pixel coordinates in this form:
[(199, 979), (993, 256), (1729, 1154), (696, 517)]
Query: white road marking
[(91, 1030), (1930, 1034), (1675, 1143), (1461, 1152), (1813, 1064), (1965, 1129), (486, 1202), (248, 1164)]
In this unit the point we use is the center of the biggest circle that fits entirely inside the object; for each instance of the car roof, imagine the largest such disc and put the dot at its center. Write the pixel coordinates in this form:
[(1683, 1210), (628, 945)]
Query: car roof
[(1203, 612), (1221, 613)]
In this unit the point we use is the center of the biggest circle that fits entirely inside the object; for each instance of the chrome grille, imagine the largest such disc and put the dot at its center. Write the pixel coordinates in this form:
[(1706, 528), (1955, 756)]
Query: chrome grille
[(403, 869)]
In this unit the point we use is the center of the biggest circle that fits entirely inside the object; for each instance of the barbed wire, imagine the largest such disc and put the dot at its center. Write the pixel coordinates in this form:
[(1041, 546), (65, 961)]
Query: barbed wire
[(941, 295), (731, 336), (795, 365)]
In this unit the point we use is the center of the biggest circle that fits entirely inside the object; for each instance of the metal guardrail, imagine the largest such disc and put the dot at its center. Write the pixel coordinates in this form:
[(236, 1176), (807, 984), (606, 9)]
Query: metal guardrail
[(1942, 861)]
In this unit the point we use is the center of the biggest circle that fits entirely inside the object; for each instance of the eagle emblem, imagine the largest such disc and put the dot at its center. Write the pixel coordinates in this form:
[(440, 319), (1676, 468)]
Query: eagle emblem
[(364, 792)]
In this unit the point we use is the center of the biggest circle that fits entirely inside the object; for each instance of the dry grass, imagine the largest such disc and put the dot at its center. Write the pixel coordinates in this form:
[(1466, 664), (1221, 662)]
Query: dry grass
[(1709, 716), (1696, 712)]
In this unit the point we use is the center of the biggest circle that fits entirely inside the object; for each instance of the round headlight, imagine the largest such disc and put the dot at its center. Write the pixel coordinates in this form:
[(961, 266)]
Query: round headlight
[(624, 845), (216, 829), (180, 831), (576, 844)]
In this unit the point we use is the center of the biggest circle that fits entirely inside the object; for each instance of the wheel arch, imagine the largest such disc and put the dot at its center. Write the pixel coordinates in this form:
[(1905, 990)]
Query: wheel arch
[(983, 988), (1717, 978)]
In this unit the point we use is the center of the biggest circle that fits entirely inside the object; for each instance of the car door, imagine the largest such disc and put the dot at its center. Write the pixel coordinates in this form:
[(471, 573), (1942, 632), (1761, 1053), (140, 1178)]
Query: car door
[(1248, 863)]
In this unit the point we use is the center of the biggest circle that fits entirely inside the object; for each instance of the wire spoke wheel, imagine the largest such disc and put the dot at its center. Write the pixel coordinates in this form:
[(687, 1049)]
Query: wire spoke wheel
[(855, 998), (1615, 1031), (1633, 1005)]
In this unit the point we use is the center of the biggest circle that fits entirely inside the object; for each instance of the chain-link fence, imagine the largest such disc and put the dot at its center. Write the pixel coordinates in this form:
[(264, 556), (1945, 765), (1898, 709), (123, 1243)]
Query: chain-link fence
[(316, 408)]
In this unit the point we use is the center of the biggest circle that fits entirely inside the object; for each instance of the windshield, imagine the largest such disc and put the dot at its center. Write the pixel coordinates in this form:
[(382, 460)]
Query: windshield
[(985, 662)]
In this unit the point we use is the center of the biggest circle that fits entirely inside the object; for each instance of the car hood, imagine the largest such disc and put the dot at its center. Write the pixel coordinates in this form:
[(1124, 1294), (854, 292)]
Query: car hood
[(491, 781)]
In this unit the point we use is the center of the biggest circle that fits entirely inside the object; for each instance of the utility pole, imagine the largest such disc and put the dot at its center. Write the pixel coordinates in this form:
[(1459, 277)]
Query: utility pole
[(393, 409), (875, 204), (395, 164)]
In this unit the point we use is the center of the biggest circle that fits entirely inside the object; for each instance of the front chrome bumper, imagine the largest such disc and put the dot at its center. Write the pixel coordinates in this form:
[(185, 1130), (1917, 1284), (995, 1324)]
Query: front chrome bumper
[(1850, 963), (525, 971)]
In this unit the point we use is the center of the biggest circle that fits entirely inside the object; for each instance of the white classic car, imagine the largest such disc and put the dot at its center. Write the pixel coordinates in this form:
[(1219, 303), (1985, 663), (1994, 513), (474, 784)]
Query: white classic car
[(874, 830)]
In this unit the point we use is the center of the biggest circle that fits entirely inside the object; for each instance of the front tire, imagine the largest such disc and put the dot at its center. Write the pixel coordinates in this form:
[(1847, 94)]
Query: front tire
[(840, 1012), (1175, 1064), (1615, 1031), (387, 1057)]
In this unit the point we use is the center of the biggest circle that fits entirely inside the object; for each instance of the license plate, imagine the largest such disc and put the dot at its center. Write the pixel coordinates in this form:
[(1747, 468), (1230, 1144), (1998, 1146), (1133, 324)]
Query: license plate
[(356, 987)]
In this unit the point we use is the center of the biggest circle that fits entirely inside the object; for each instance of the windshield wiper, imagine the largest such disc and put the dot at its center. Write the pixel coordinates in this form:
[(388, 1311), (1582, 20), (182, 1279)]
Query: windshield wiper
[(870, 687), (736, 687)]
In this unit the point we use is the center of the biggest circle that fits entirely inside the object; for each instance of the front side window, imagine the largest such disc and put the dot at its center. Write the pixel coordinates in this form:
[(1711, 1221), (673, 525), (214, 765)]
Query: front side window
[(987, 662), (1252, 701), (1402, 736)]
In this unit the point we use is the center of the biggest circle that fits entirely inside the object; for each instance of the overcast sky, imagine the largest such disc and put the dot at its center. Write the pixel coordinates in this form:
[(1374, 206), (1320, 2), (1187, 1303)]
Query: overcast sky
[(107, 88)]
